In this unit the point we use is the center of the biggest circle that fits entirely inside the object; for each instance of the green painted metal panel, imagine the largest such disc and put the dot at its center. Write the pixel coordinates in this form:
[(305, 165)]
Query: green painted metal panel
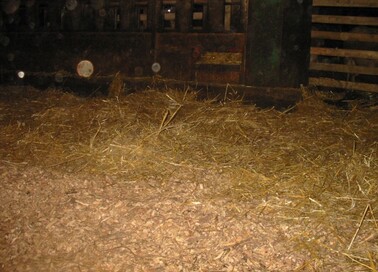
[(263, 50), (278, 43)]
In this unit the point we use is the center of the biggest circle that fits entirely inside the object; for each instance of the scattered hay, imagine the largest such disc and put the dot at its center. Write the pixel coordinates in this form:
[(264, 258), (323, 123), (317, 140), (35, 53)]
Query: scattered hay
[(308, 177)]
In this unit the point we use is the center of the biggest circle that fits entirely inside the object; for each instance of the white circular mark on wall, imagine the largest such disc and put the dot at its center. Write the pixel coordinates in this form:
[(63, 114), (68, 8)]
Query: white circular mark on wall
[(85, 68), (155, 67), (21, 74)]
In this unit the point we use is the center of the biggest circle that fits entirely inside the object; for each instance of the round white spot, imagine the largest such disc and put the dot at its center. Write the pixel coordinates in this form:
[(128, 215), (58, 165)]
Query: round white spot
[(155, 67), (85, 68), (20, 74)]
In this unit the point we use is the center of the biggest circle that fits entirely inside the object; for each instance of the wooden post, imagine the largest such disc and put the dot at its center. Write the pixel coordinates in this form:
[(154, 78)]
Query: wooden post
[(244, 12), (154, 19), (156, 6), (184, 15), (125, 14), (216, 15)]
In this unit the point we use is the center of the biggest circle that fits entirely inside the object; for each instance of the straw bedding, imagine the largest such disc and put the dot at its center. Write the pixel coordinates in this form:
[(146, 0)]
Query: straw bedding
[(159, 181)]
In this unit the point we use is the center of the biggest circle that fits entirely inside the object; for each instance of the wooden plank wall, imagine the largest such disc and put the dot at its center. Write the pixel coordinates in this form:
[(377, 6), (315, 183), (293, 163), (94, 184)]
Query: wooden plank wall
[(336, 25)]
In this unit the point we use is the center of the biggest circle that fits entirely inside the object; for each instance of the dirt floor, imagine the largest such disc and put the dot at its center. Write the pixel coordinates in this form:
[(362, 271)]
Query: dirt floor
[(158, 181)]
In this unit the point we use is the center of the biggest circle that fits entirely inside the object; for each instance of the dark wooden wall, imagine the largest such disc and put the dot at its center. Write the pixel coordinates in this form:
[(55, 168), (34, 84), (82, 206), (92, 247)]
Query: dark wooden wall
[(272, 39), (49, 52)]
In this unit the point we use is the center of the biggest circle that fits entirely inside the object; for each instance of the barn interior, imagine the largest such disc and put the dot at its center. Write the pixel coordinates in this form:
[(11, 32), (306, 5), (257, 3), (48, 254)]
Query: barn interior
[(200, 42), (189, 135)]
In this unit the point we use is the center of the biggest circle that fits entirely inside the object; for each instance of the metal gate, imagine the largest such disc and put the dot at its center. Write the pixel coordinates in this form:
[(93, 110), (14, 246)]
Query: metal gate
[(344, 50)]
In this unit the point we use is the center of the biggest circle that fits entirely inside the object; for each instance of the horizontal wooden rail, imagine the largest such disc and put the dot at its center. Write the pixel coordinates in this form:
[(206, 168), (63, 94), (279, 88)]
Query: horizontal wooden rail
[(344, 36), (348, 85), (349, 53), (345, 20), (345, 3), (344, 68)]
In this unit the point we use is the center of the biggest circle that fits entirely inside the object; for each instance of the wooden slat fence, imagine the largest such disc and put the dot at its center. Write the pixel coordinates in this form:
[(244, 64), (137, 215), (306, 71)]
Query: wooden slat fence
[(334, 25)]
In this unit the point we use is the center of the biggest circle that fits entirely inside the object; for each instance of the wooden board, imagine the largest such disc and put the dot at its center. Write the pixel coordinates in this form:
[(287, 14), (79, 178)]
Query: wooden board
[(333, 83), (344, 36), (345, 20), (345, 3), (350, 53), (218, 77), (344, 68)]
